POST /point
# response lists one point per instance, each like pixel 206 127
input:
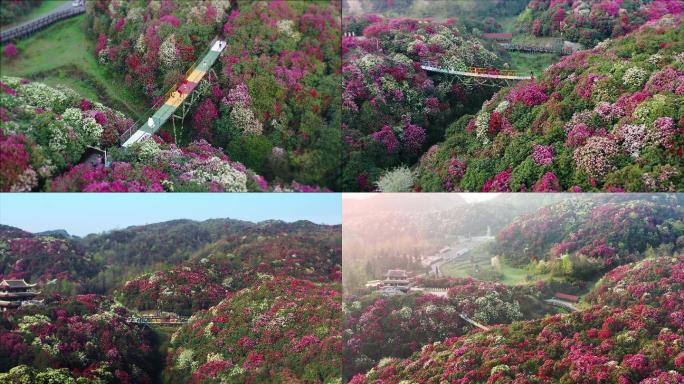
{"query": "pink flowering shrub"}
pixel 542 154
pixel 547 183
pixel 499 183
pixel 530 94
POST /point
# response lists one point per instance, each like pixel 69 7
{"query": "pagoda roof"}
pixel 16 284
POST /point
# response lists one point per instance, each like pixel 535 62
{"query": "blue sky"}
pixel 84 213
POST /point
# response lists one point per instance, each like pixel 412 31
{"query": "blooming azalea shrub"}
pixel 280 330
pixel 391 109
pixel 84 336
pixel 606 119
pixel 236 262
pixel 589 22
pixel 601 344
pixel 276 84
pixel 658 282
pixel 578 237
pixel 43 258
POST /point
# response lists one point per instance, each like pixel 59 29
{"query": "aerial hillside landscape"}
pixel 542 96
pixel 161 303
pixel 233 95
pixel 583 288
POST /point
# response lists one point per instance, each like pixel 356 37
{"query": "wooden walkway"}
pixel 159 114
pixel 36 25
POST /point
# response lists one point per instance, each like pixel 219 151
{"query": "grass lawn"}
pixel 534 62
pixel 47 7
pixel 61 54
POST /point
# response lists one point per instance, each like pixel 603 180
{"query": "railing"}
pixel 491 73
pixel 38 24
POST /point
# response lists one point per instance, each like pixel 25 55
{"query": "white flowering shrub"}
pixel 244 120
pixel 146 150
pixel 399 179
pixel 481 127
pixel 168 54
pixel 40 95
pixel 184 359
pixel 635 77
pixel 90 131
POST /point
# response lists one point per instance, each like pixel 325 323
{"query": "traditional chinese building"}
pixel 397 278
pixel 14 293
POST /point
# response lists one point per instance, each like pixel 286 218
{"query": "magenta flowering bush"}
pixel 10 51
pixel 605 119
pixel 279 330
